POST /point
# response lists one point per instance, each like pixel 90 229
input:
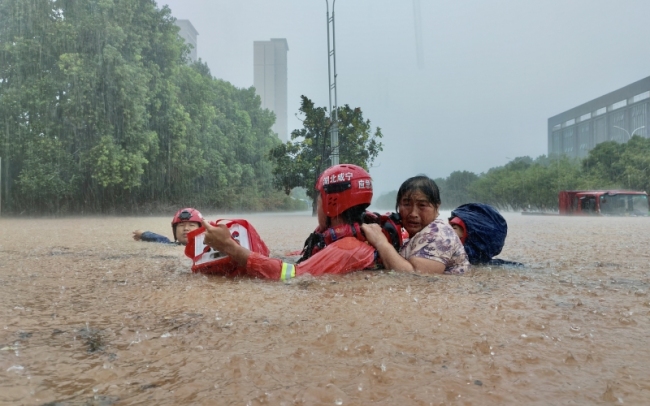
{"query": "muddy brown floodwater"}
pixel 90 317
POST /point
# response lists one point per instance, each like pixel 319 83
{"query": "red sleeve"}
pixel 341 257
pixel 260 266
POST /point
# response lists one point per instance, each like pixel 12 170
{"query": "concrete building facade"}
pixel 270 80
pixel 615 116
pixel 189 34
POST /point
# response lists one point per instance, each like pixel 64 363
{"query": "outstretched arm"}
pixel 148 236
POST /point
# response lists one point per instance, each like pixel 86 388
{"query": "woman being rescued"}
pixel 336 247
pixel 433 247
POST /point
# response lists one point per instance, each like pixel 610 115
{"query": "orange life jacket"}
pixel 389 222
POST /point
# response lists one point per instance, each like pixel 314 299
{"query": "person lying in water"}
pixel 184 221
pixel 336 247
pixel 433 246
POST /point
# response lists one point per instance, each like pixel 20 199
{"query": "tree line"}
pixel 100 112
pixel 533 184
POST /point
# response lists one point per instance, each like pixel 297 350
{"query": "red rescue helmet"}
pixel 342 187
pixel 186 214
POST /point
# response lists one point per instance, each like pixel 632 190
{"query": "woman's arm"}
pixel 393 260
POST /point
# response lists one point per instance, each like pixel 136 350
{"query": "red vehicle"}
pixel 604 202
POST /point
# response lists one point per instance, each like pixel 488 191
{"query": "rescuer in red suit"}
pixel 345 191
pixel 185 221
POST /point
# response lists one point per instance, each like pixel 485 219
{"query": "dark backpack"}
pixel 486 231
pixel 486 234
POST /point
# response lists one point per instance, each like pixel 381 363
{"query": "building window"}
pixel 584 140
pixel 641 96
pixel 585 117
pixel 618 105
pixel 639 119
pixel 568 141
pixel 600 130
pixel 616 122
pixel 556 142
pixel 600 111
pixel 570 122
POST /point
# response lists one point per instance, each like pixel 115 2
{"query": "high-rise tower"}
pixel 189 34
pixel 270 80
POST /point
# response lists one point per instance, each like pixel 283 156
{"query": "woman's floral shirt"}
pixel 438 242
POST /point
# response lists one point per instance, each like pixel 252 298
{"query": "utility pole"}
pixel 331 61
pixel 417 24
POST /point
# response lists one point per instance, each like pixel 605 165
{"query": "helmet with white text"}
pixel 342 187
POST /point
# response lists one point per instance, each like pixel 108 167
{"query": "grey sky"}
pixel 494 71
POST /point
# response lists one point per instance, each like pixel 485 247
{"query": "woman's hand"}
pixel 374 235
pixel 392 259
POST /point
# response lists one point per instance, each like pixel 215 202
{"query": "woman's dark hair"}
pixel 420 183
pixel 353 215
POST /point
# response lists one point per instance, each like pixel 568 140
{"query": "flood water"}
pixel 90 317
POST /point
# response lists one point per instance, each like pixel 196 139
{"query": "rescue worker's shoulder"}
pixel 349 243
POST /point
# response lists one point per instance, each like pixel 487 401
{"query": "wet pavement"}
pixel 90 317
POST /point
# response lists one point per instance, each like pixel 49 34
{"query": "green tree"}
pixel 524 183
pixel 614 165
pixel 637 163
pixel 76 75
pixel 299 162
pixel 603 166
pixel 99 111
pixel 386 201
pixel 456 189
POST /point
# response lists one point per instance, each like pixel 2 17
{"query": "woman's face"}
pixel 416 212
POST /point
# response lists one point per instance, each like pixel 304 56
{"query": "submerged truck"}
pixel 604 202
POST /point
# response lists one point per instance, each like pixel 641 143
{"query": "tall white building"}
pixel 270 80
pixel 189 34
